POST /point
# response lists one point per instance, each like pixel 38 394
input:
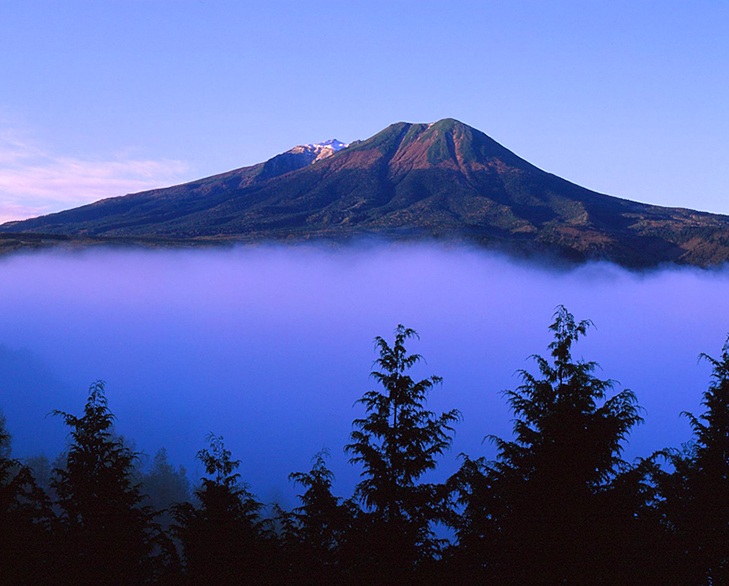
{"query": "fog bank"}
pixel 271 346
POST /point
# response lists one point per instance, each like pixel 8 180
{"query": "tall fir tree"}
pixel 26 522
pixel 314 532
pixel 108 536
pixel 695 494
pixel 397 443
pixel 223 538
pixel 165 486
pixel 545 522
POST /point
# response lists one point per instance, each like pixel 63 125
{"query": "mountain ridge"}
pixel 443 180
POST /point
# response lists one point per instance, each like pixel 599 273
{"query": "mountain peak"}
pixel 450 124
pixel 443 179
pixel 317 151
pixel 447 143
pixel 332 143
pixel 299 157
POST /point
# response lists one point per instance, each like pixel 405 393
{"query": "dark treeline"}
pixel 557 505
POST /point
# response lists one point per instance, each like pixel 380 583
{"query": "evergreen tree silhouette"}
pixel 5 445
pixel 41 468
pixel 26 522
pixel 223 538
pixel 696 493
pixel 398 442
pixel 107 536
pixel 476 521
pixel 313 532
pixel 546 487
pixel 165 486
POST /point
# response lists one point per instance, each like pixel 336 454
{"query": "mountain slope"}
pixel 443 180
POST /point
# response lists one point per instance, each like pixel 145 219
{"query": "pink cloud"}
pixel 34 181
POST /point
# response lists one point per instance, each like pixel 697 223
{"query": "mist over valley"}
pixel 271 346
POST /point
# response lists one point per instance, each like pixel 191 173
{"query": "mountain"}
pixel 444 180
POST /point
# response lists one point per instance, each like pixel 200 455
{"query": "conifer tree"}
pixel 41 468
pixel 696 493
pixel 475 519
pixel 108 536
pixel 5 444
pixel 223 539
pixel 546 484
pixel 26 522
pixel 396 443
pixel 165 486
pixel 313 532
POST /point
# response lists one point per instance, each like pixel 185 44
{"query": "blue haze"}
pixel 271 347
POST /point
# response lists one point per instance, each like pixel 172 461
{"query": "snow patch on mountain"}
pixel 319 150
pixel 332 143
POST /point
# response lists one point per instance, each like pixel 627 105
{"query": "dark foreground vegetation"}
pixel 558 504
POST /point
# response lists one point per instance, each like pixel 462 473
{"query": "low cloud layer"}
pixel 35 181
pixel 271 347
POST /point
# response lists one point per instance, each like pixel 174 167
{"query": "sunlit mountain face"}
pixel 444 181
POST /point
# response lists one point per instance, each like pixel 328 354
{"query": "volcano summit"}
pixel 444 181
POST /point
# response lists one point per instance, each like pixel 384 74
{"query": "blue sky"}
pixel 104 98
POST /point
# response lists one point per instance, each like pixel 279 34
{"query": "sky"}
pixel 99 99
